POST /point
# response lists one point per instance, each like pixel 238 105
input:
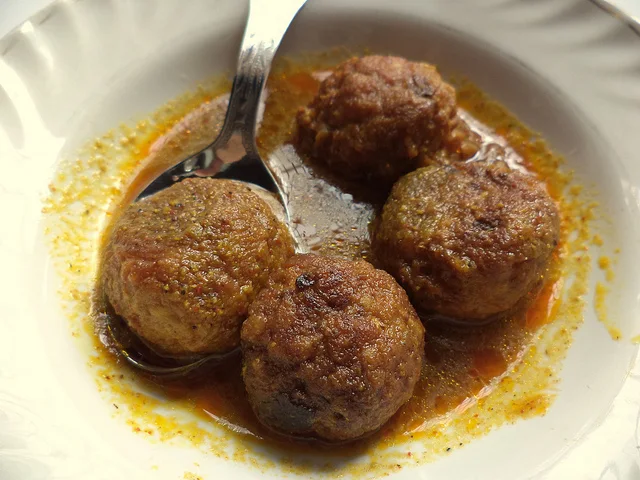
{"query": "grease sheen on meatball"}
pixel 332 348
pixel 182 266
pixel 467 242
pixel 376 116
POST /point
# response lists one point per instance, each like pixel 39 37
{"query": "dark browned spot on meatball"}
pixel 422 87
pixel 304 281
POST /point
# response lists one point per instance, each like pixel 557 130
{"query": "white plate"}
pixel 566 67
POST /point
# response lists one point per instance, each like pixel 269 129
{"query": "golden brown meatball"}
pixel 467 242
pixel 332 348
pixel 181 267
pixel 375 116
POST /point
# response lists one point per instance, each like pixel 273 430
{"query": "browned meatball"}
pixel 467 242
pixel 332 348
pixel 375 116
pixel 181 267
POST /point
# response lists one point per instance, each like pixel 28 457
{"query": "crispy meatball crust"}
pixel 375 116
pixel 332 348
pixel 467 242
pixel 181 267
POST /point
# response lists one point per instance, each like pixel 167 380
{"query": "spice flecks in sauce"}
pixel 510 374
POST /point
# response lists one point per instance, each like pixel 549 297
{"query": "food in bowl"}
pixel 468 241
pixel 473 377
pixel 332 349
pixel 181 267
pixel 378 117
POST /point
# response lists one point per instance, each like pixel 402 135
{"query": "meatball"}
pixel 332 348
pixel 376 116
pixel 182 266
pixel 469 241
